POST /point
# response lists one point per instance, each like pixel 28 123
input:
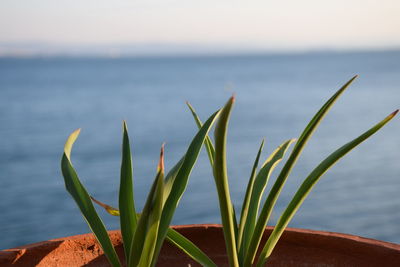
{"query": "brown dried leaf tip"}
pixel 161 162
pixel 233 98
pixel 101 203
pixel 394 113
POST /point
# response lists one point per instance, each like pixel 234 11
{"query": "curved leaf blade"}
pixel 128 220
pixel 154 219
pixel 82 199
pixel 211 154
pixel 170 178
pixel 110 210
pixel 181 180
pixel 260 184
pixel 209 145
pixel 144 239
pixel 221 181
pixel 246 202
pixel 287 168
pixel 174 238
pixel 189 248
pixel 309 183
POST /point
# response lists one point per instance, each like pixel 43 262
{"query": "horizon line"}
pixel 46 49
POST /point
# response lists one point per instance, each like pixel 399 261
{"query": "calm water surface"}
pixel 42 100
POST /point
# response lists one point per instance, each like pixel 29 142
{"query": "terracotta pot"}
pixel 297 247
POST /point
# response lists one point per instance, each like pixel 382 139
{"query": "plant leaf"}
pixel 281 179
pixel 109 209
pixel 181 180
pixel 189 248
pixel 128 220
pixel 246 201
pixel 82 199
pixel 209 145
pixel 170 178
pixel 144 239
pixel 260 184
pixel 211 153
pixel 174 238
pixel 309 183
pixel 221 181
pixel 154 219
pixel 235 223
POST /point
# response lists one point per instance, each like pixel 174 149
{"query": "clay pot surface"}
pixel 297 247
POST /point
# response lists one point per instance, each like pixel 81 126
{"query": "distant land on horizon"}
pixel 36 49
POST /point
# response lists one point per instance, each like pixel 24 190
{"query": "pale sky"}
pixel 284 24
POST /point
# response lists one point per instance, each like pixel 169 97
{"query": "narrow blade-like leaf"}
pixel 181 180
pixel 260 184
pixel 208 143
pixel 82 199
pixel 235 223
pixel 170 178
pixel 189 248
pixel 144 239
pixel 173 237
pixel 211 153
pixel 110 210
pixel 221 181
pixel 246 201
pixel 127 209
pixel 309 183
pixel 154 217
pixel 281 179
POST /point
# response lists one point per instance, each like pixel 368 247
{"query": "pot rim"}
pixel 314 241
pixel 300 231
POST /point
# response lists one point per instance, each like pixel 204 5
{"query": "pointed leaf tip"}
pixel 70 141
pixel 351 81
pixel 391 115
pixel 109 209
pixel 161 162
pixel 394 113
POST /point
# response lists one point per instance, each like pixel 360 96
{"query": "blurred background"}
pixel 91 64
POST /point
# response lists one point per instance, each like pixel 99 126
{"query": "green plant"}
pixel 143 234
pixel 243 239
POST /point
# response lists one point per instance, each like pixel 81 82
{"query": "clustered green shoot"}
pixel 243 238
pixel 143 234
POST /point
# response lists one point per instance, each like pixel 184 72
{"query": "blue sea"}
pixel 42 100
